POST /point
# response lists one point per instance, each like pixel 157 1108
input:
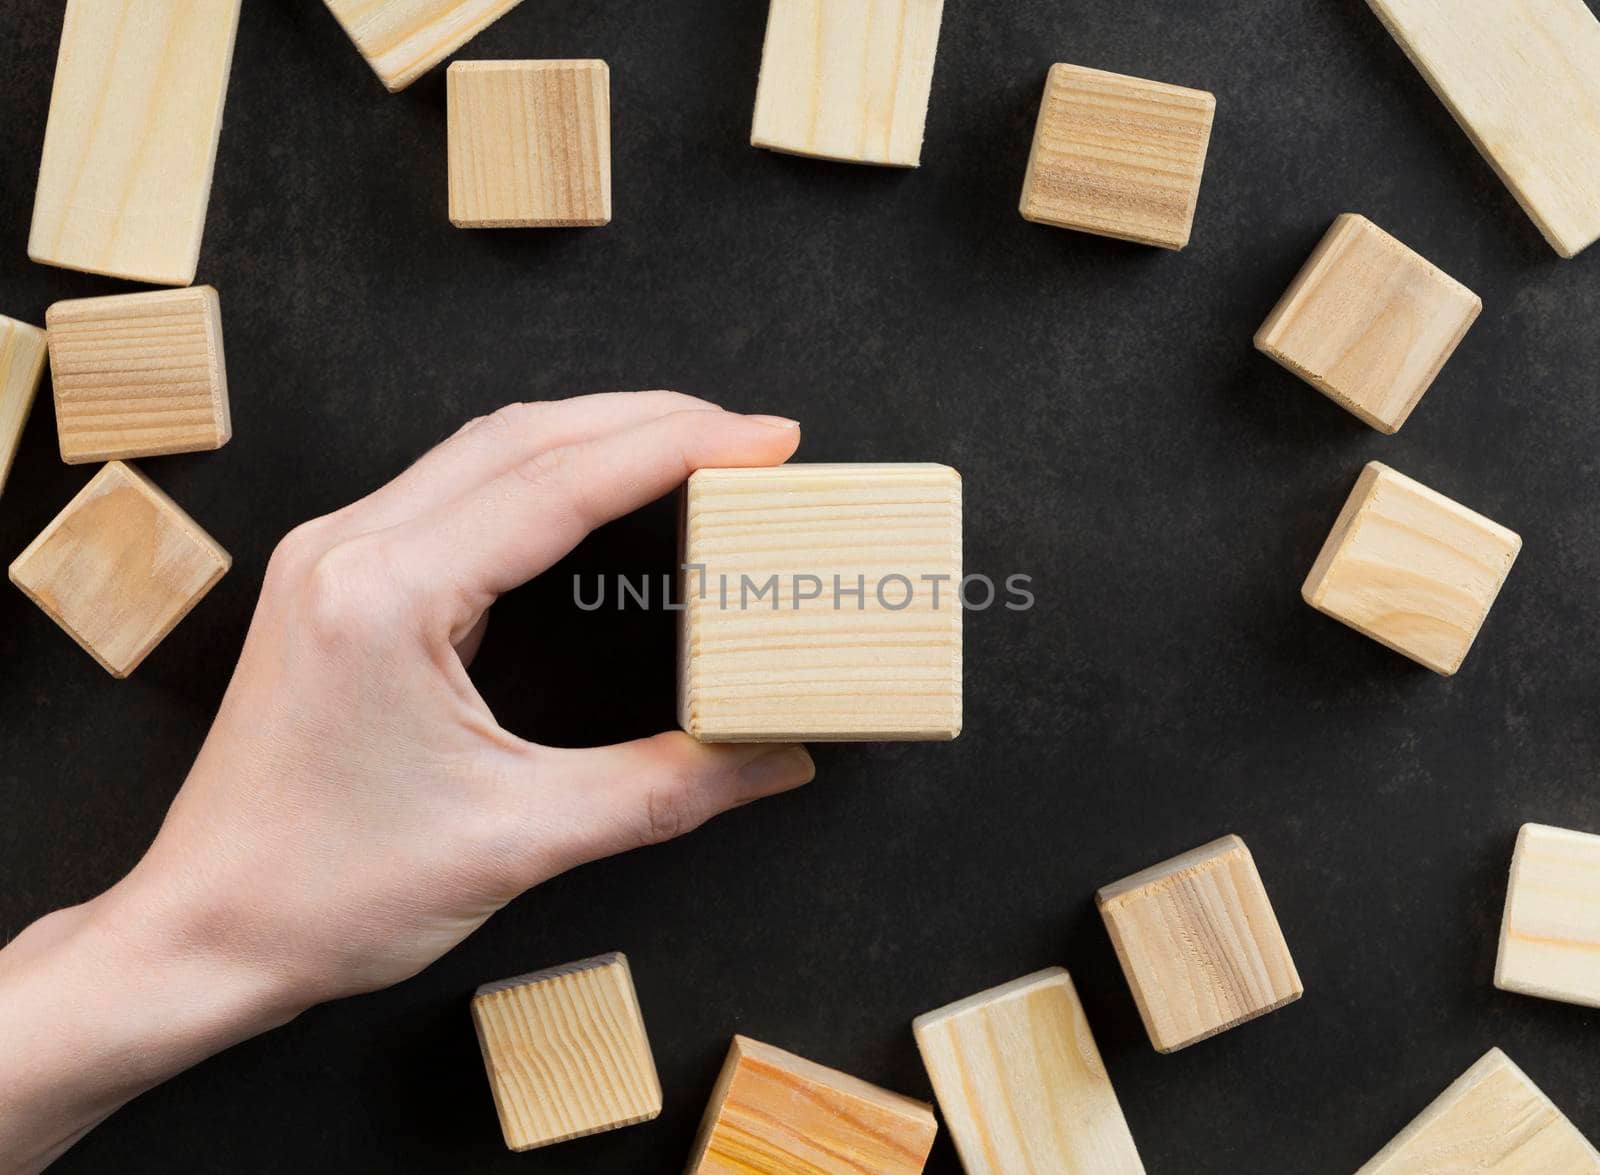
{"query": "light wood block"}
pixel 847 79
pixel 1522 77
pixel 1550 935
pixel 566 1052
pixel 761 662
pixel 1021 1083
pixel 403 39
pixel 120 567
pixel 1492 1121
pixel 1199 943
pixel 773 1113
pixel 1411 569
pixel 530 144
pixel 22 355
pixel 139 375
pixel 1368 323
pixel 1118 156
pixel 132 137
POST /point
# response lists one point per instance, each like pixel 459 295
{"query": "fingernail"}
pixel 778 769
pixel 782 422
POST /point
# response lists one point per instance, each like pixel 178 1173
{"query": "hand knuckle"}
pixel 350 592
pixel 669 812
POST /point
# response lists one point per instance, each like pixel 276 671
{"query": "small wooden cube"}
pixel 1118 156
pixel 1021 1082
pixel 1411 569
pixel 1550 935
pixel 821 602
pixel 773 1113
pixel 530 144
pixel 1199 943
pixel 119 567
pixel 566 1052
pixel 22 355
pixel 847 80
pixel 1493 1119
pixel 139 375
pixel 403 39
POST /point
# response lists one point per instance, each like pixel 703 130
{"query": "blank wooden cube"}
pixel 1118 156
pixel 1021 1082
pixel 119 567
pixel 773 1113
pixel 530 144
pixel 403 39
pixel 1411 569
pixel 1368 322
pixel 821 602
pixel 1199 943
pixel 22 356
pixel 847 79
pixel 566 1052
pixel 1550 935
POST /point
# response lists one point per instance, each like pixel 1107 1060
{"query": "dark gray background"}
pixel 1120 441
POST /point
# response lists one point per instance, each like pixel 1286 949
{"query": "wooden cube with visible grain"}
pixel 22 357
pixel 1411 569
pixel 1021 1083
pixel 403 39
pixel 566 1052
pixel 1550 935
pixel 530 144
pixel 1118 156
pixel 1199 944
pixel 821 602
pixel 119 567
pixel 773 1113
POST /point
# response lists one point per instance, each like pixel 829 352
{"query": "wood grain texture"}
pixel 1411 569
pixel 1199 943
pixel 1522 77
pixel 847 79
pixel 757 667
pixel 1550 935
pixel 1021 1083
pixel 403 39
pixel 566 1052
pixel 1118 156
pixel 530 144
pixel 119 567
pixel 139 375
pixel 22 357
pixel 131 141
pixel 773 1113
pixel 1368 323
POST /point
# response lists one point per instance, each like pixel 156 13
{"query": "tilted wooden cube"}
pixel 1550 935
pixel 821 602
pixel 403 39
pixel 1199 944
pixel 22 356
pixel 1411 569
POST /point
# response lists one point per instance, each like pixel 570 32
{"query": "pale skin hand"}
pixel 356 811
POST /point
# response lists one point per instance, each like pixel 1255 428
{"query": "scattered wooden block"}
pixel 132 137
pixel 566 1052
pixel 530 144
pixel 1411 569
pixel 773 1113
pixel 22 354
pixel 1118 156
pixel 1550 935
pixel 403 39
pixel 119 568
pixel 1368 323
pixel 139 375
pixel 821 602
pixel 1199 943
pixel 1021 1082
pixel 847 79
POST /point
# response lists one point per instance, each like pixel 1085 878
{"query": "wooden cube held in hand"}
pixel 403 39
pixel 22 356
pixel 1550 935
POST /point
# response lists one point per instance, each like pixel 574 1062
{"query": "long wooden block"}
pixel 1522 77
pixel 403 39
pixel 821 602
pixel 132 137
pixel 22 355
pixel 1021 1083
pixel 1550 935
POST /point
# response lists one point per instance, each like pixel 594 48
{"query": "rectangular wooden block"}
pixel 132 137
pixel 530 144
pixel 821 602
pixel 403 39
pixel 22 356
pixel 119 567
pixel 1411 569
pixel 1199 943
pixel 1021 1083
pixel 1368 322
pixel 1550 935
pixel 566 1052
pixel 847 79
pixel 1522 77
pixel 773 1113
pixel 139 375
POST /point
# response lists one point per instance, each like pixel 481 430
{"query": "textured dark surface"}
pixel 1120 441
